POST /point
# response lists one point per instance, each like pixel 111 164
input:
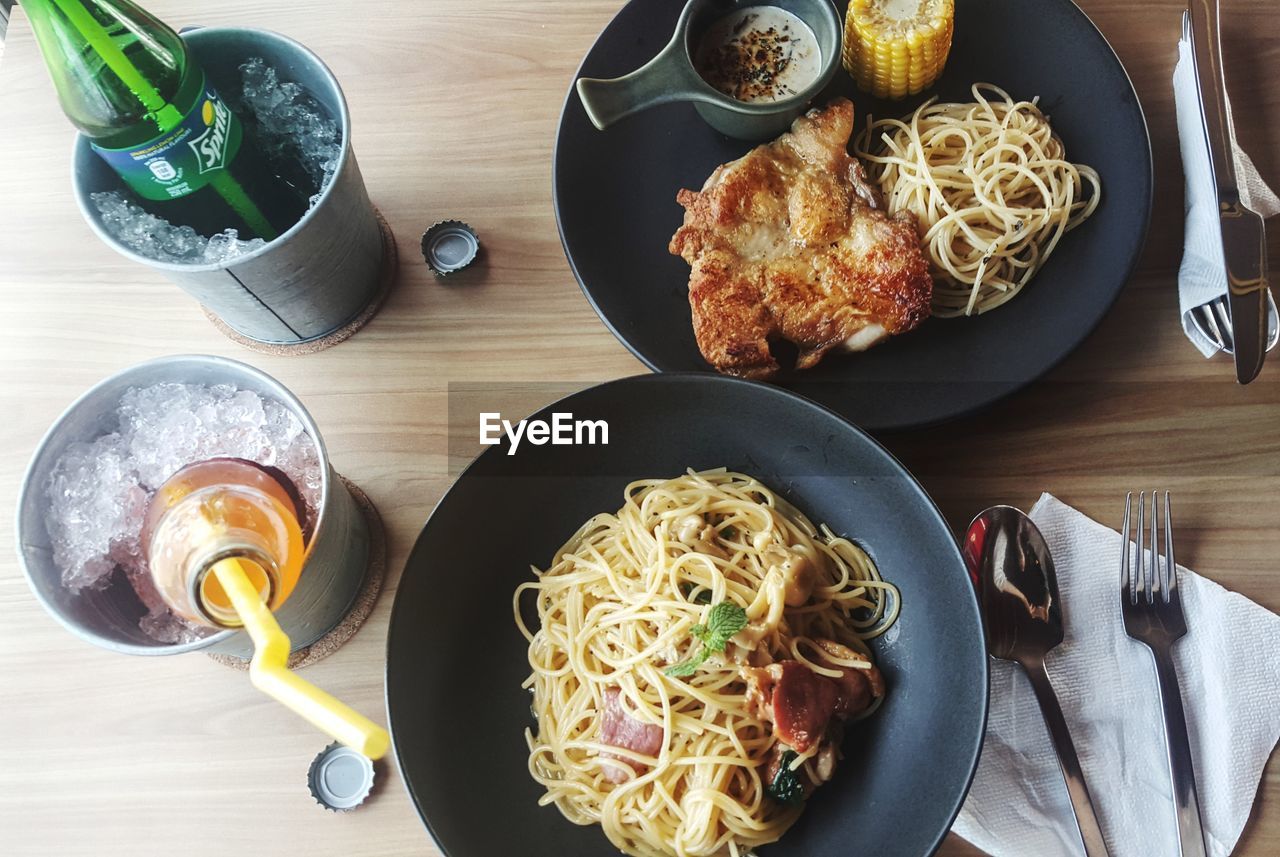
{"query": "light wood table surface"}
pixel 455 105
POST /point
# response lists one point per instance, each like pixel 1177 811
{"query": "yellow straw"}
pixel 269 673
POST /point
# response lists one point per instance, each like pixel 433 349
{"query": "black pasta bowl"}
pixel 455 660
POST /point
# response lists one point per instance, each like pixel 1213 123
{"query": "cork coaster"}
pixel 386 277
pixel 365 598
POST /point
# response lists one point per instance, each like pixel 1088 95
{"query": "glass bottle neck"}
pixel 207 594
pixel 214 510
pixel 120 74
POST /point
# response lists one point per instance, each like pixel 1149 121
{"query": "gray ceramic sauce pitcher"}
pixel 672 76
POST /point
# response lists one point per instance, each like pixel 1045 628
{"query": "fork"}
pixel 1214 321
pixel 1152 609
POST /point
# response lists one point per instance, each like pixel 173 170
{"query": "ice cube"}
pixel 227 246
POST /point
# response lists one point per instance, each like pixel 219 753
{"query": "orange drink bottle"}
pixel 224 541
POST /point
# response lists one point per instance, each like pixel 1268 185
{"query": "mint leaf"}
pixel 724 620
pixel 689 667
pixel 786 786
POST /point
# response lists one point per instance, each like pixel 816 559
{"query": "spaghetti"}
pixel 613 667
pixel 990 186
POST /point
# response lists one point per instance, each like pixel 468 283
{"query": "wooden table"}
pixel 455 105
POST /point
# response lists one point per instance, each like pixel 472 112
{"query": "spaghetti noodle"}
pixel 670 754
pixel 992 190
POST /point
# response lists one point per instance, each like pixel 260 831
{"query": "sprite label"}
pixel 185 158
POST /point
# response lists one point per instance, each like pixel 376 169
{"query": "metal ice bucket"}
pixel 331 577
pixel 316 277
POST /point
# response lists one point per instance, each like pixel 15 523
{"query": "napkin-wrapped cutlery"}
pixel 1244 244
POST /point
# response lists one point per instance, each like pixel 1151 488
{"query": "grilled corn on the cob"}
pixel 896 48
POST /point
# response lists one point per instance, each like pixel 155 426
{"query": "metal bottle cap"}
pixel 340 778
pixel 449 246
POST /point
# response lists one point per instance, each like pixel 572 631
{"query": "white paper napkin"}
pixel 1229 669
pixel 1202 277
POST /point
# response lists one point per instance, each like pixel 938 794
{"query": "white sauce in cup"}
pixel 759 54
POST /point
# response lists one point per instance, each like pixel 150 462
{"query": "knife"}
pixel 1243 237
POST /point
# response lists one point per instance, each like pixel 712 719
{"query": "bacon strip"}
pixel 854 694
pixel 803 703
pixel 620 729
pixel 858 687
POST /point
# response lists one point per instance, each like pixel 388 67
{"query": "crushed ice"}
pixel 98 491
pixel 285 120
pixel 157 238
pixel 289 122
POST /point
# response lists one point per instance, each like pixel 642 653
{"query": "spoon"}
pixel 1010 565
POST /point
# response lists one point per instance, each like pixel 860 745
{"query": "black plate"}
pixel 455 660
pixel 615 203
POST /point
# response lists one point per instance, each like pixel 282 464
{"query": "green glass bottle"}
pixel 130 85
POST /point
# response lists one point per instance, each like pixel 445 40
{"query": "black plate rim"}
pixel 695 379
pixel 1105 307
pixel 555 205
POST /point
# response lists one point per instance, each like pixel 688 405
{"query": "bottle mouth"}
pixel 211 599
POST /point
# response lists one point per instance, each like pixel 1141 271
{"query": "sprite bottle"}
pixel 131 86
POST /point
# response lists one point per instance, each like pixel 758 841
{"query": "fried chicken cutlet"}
pixel 791 242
